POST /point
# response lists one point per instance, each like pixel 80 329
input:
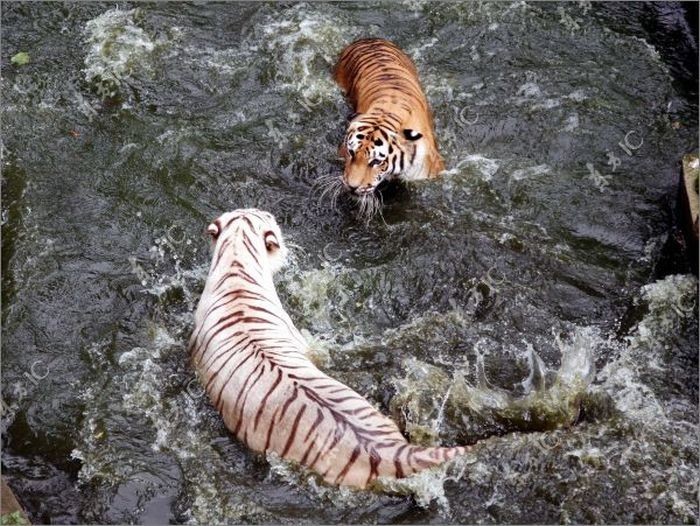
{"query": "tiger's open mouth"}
pixel 360 191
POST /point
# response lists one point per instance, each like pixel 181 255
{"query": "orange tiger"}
pixel 253 363
pixel 391 134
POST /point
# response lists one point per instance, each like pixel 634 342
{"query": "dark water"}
pixel 527 300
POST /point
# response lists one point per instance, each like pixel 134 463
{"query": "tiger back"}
pixel 253 364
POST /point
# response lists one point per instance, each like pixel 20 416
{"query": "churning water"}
pixel 525 302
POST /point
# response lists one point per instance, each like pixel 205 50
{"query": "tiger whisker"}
pixel 325 186
pixel 368 206
pixel 380 208
pixel 330 186
pixel 336 195
pixel 333 188
pixel 323 183
pixel 324 179
pixel 363 207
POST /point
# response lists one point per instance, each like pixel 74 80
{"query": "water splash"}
pixel 425 487
pixel 485 167
pixel 118 48
pixel 301 477
pixel 551 398
pixel 165 273
pixel 309 292
pixel 671 303
pixel 428 486
pixel 297 41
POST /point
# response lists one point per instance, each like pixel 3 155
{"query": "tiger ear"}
pixel 412 135
pixel 213 230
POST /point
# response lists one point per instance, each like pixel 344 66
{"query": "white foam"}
pixel 486 167
pixel 533 171
pixel 572 122
pixel 296 38
pixel 577 96
pixel 565 19
pixel 416 52
pixel 670 301
pixel 531 93
pixel 311 290
pixel 117 48
pixel 529 90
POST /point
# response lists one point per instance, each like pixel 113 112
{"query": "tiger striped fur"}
pixel 252 361
pixel 391 135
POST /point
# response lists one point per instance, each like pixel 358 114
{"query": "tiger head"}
pixel 374 151
pixel 247 234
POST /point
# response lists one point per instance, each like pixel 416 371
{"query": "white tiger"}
pixel 252 361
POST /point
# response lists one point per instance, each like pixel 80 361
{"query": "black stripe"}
pixel 293 432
